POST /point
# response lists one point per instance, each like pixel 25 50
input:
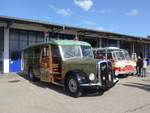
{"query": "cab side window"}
pixel 56 55
pixel 56 52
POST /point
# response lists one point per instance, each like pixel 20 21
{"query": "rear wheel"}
pixel 72 87
pixel 31 75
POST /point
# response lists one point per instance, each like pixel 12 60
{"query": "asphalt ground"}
pixel 19 95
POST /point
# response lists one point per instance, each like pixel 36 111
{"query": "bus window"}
pixel 101 54
pixel 56 52
pixel 45 52
pixel 109 56
pixel 30 52
pixel 37 52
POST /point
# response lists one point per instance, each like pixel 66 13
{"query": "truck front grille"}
pixel 105 73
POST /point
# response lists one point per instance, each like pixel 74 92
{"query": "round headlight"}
pixel 92 76
pixel 116 73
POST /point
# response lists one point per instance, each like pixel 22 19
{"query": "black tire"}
pixel 126 75
pixel 112 82
pixel 132 74
pixel 31 76
pixel 72 87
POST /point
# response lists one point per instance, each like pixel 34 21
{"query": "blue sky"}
pixel 122 16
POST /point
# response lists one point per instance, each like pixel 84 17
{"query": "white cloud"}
pixel 133 12
pixel 64 11
pixel 49 18
pixel 89 23
pixel 84 4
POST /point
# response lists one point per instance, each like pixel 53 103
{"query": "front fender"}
pixel 81 76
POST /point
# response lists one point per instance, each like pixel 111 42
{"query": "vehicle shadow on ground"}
pixel 142 86
pixel 148 73
pixel 59 89
pixel 122 76
pixel 41 84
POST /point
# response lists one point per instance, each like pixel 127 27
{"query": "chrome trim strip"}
pixel 57 84
pixel 91 84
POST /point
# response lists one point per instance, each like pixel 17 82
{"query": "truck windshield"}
pixel 87 52
pixel 73 51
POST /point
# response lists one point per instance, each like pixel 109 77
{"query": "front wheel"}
pixel 72 87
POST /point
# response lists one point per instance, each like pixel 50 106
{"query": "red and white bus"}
pixel 121 61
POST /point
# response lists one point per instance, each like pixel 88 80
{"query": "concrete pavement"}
pixel 18 95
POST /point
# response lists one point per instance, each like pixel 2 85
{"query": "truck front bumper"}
pixel 99 85
pixel 125 72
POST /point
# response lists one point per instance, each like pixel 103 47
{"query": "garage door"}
pixel 19 39
pixel 1 48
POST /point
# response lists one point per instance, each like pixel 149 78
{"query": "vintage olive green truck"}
pixel 68 63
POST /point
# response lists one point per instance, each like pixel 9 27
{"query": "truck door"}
pixel 45 64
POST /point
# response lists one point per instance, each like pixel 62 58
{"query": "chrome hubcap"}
pixel 72 85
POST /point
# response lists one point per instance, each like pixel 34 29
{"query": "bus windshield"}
pixel 126 54
pixel 121 55
pixel 74 51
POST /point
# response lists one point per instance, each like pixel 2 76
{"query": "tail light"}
pixel 56 70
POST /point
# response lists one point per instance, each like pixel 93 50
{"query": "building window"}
pixel 147 51
pixel 93 41
pixel 1 48
pixel 40 37
pixel 127 46
pixel 60 36
pixel 109 43
pixel 32 38
pixel 23 39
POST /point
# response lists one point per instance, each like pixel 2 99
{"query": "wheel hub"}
pixel 72 85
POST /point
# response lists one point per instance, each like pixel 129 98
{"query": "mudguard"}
pixel 81 76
